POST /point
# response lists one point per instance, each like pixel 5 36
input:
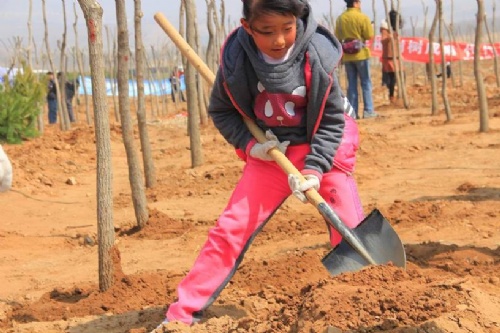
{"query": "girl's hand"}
pixel 299 188
pixel 259 150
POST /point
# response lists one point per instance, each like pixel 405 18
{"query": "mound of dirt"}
pixel 437 182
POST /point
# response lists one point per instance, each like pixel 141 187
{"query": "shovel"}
pixel 372 242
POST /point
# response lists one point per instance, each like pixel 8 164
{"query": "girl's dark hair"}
pixel 393 17
pixel 255 8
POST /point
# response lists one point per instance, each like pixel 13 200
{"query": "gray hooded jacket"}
pixel 312 62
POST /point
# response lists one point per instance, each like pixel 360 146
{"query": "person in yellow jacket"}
pixel 355 27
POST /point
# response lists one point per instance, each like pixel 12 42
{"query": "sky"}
pixel 14 17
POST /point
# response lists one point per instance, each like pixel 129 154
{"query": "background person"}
pixel 391 63
pixel 69 91
pixel 52 98
pixel 175 86
pixel 448 71
pixel 5 171
pixel 351 25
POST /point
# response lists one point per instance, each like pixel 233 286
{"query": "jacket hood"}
pixel 240 57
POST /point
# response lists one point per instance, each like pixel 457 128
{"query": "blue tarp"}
pixel 156 87
pixel 12 74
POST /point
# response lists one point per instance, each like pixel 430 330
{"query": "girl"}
pixel 277 68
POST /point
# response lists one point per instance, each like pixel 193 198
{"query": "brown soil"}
pixel 437 182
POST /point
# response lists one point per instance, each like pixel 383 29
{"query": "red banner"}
pixel 416 49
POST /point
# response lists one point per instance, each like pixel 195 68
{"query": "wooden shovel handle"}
pixel 312 195
pixel 186 50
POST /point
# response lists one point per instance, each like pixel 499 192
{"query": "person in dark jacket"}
pixel 52 98
pixel 69 90
pixel 277 68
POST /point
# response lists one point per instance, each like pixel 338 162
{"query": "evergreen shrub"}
pixel 21 101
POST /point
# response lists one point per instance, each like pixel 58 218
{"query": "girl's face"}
pixel 273 34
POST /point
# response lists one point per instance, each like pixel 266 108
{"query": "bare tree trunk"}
pixel 65 123
pixel 495 55
pixel 329 20
pixel 30 62
pixel 481 93
pixel 85 91
pixel 425 9
pixel 199 82
pixel 444 92
pixel 44 56
pixel 332 17
pixel 74 80
pixel 212 42
pixel 49 57
pixel 35 51
pixel 30 34
pixel 132 78
pixel 373 60
pixel 113 76
pixel 149 167
pixel 167 60
pixel 454 39
pixel 80 68
pixel 414 34
pixel 182 30
pixel 8 49
pixel 396 51
pixel 223 32
pixel 18 50
pixel 158 88
pixel 162 86
pixel 152 88
pixel 105 230
pixel 450 38
pixel 192 101
pixel 112 72
pixel 497 74
pixel 135 173
pixel 393 45
pixel 400 72
pixel 432 71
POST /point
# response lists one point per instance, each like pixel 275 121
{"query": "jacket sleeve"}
pixel 226 117
pixel 327 138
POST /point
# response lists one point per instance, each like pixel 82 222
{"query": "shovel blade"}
pixel 377 237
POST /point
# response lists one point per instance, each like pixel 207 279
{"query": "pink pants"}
pixel 261 190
